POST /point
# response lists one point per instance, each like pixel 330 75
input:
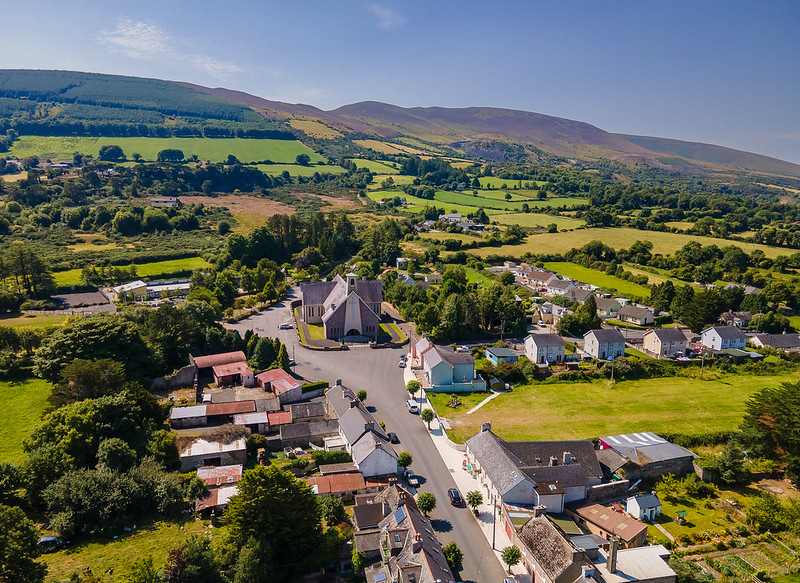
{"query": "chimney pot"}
pixel 553 460
pixel 567 457
pixel 486 427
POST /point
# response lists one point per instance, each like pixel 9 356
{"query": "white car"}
pixel 463 349
pixel 285 326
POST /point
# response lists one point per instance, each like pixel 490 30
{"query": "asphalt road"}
pixel 377 372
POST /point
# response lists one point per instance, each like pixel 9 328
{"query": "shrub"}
pixel 331 457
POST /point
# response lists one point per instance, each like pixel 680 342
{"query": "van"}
pixel 412 406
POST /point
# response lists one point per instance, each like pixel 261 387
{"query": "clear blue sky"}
pixel 722 72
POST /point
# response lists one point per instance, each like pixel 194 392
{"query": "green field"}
pixel 534 220
pixel 398 179
pixel 298 170
pixel 618 238
pixel 156 268
pixel 24 402
pixel 495 182
pixel 375 166
pixel 153 541
pixel 597 278
pixel 31 320
pixel 589 410
pixel 215 150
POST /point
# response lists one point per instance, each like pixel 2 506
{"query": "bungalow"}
pixel 498 355
pixel 638 315
pixel 723 337
pixel 579 295
pixel 201 453
pixel 748 289
pixel 561 287
pixel 738 319
pixel 662 342
pixel 433 279
pixel 451 218
pixel 606 343
pixel 544 348
pixel 608 307
pixel 447 370
pixel 785 342
pixel 645 507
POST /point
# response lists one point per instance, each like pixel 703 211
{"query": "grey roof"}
pixel 551 550
pixel 560 283
pixel 368 444
pixel 342 468
pixel 538 453
pixel 190 412
pixel 779 340
pixel 340 399
pixel 268 405
pixel 606 335
pixel 316 293
pixel 668 334
pixel 606 303
pixel 647 500
pixel 727 332
pixel 501 352
pixel 634 311
pixel 610 459
pixel 355 422
pixel 542 340
pixel 748 289
pixel 304 410
pixel 328 292
pixel 453 358
pixel 308 430
pixel 567 476
pixel 367 516
pixel 495 461
pixel 730 316
pixel 580 294
pixel 645 447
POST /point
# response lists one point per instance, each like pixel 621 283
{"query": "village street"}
pixel 377 372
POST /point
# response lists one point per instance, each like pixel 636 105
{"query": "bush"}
pixel 309 387
pixel 331 457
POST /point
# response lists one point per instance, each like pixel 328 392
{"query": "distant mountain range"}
pixel 72 102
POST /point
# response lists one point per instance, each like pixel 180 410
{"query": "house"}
pixel 662 342
pixel 447 370
pixel 723 337
pixel 748 289
pixel 451 218
pixel 738 319
pixel 785 342
pixel 561 287
pixel 540 473
pixel 551 313
pixel 344 308
pixel 645 507
pixel 201 453
pixel 233 373
pixel 191 416
pixel 607 307
pixel 579 295
pixel 401 263
pixel 433 279
pixel 419 349
pixel 399 543
pixel 134 291
pixel 637 315
pixel 544 348
pixel 498 355
pixel 644 455
pixel 548 554
pixel 287 388
pixel 604 344
pixel 608 523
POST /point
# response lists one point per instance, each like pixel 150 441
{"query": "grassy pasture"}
pixel 496 182
pixel 597 278
pixel 538 220
pixel 398 179
pixel 31 320
pixel 376 166
pixel 298 170
pixel 216 150
pixel 315 129
pixel 156 268
pixel 617 238
pixel 389 147
pixel 587 410
pixel 24 402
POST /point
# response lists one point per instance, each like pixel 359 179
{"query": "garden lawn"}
pixel 31 320
pixel 215 150
pixel 618 238
pixel 24 402
pixel 598 278
pixel 153 542
pixel 590 410
pixel 156 268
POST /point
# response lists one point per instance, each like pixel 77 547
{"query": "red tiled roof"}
pixel 231 408
pixel 279 418
pixel 338 483
pixel 280 380
pixel 217 359
pixel 224 370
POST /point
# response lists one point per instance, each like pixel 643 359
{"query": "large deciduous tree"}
pixel 18 536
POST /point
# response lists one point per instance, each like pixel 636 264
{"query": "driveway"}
pixel 376 371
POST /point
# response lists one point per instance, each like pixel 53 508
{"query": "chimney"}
pixel 553 460
pixel 539 511
pixel 338 382
pixel 567 458
pixel 353 403
pixel 486 427
pixel 612 555
pixel 417 546
pixel 369 426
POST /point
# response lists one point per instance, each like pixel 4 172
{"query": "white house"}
pixel 560 286
pixel 607 306
pixel 544 348
pixel 644 507
pixel 640 316
pixel 604 343
pixel 723 337
pixel 664 342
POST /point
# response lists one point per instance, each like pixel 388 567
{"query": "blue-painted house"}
pixel 451 371
pixel 498 355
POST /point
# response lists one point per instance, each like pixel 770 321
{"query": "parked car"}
pixel 411 478
pixel 402 363
pixel 463 349
pixel 455 497
pixel 49 544
pixel 285 326
pixel 393 437
pixel 292 362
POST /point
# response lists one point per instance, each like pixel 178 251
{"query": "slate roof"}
pixel 342 468
pixel 501 352
pixel 634 311
pixel 218 359
pixel 354 422
pixel 369 444
pixel 568 476
pixel 340 398
pixel 306 410
pixel 453 358
pixel 551 551
pixel 668 334
pixel 366 516
pixel 538 453
pixel 560 283
pixel 606 303
pixel 610 459
pixel 268 405
pixel 731 316
pixel 494 461
pixel 779 340
pixel 647 500
pixel 542 340
pixel 727 332
pixel 326 292
pixel 606 335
